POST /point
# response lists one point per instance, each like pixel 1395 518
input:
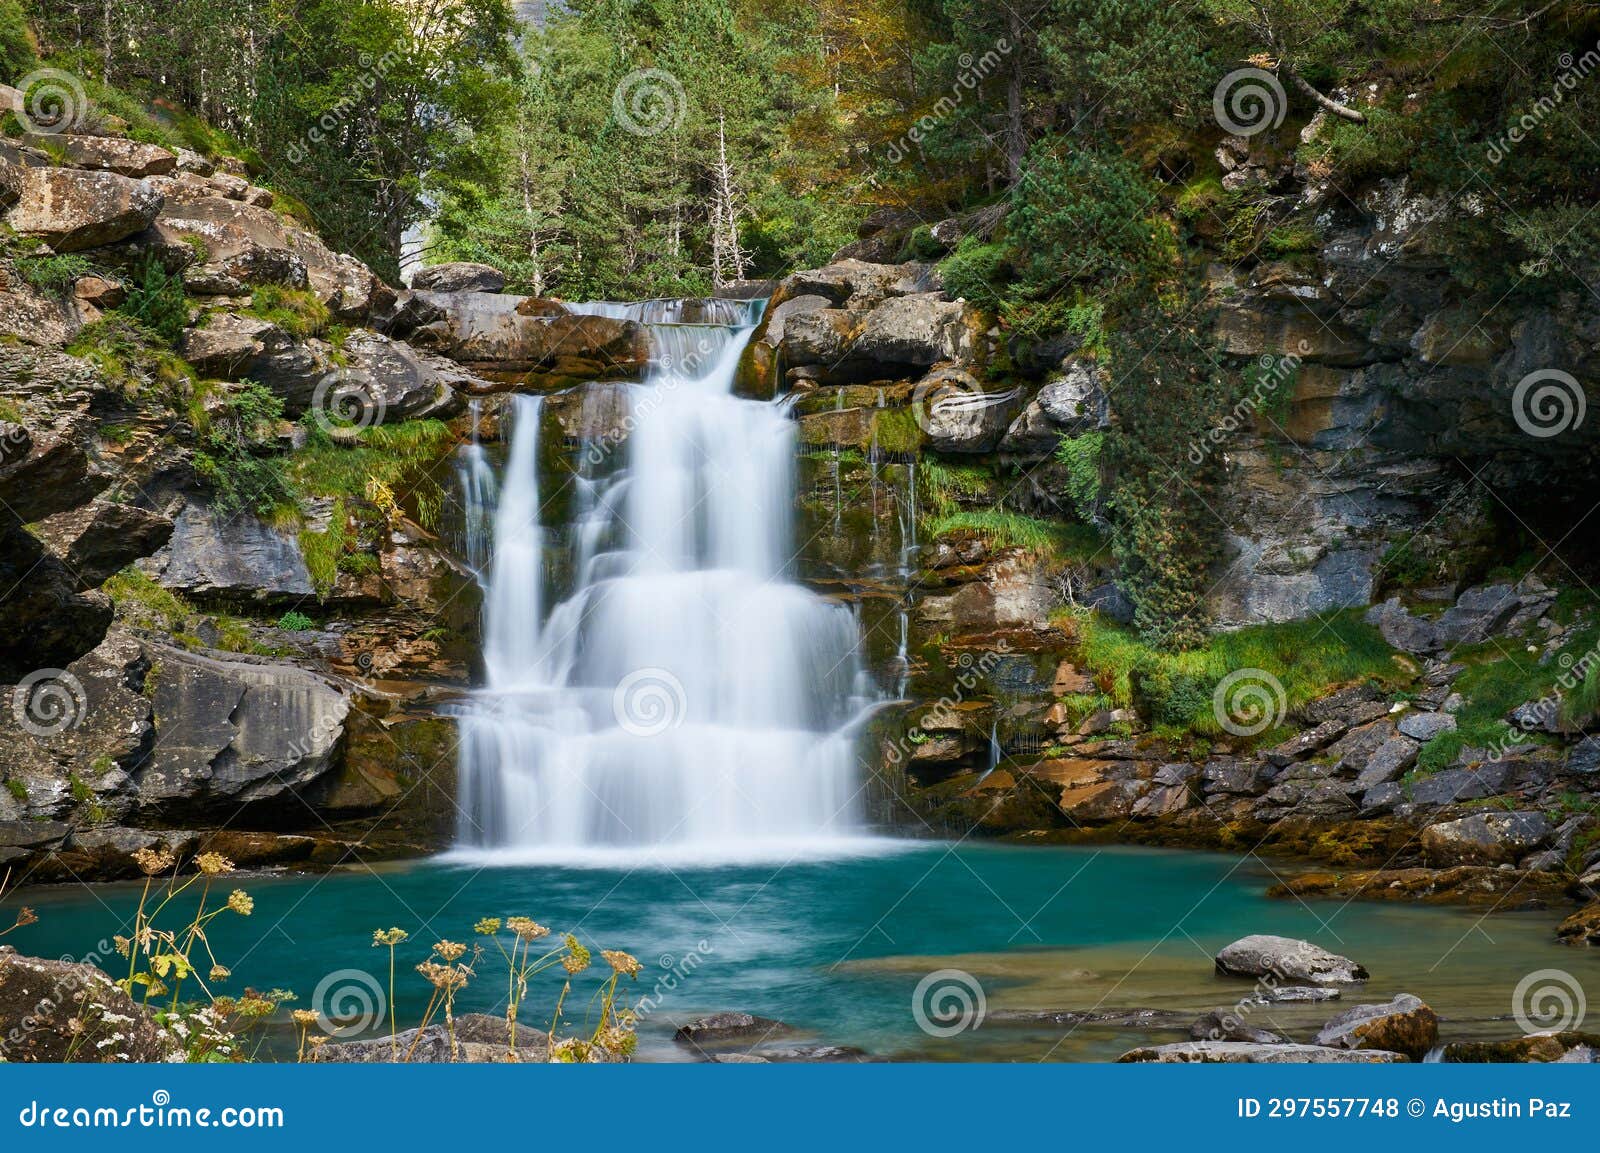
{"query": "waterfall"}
pixel 680 696
pixel 475 479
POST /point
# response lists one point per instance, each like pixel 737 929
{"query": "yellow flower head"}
pixel 241 902
pixel 526 928
pixel 303 1017
pixel 450 950
pixel 153 861
pixel 577 958
pixel 213 864
pixel 487 927
pixel 388 937
pixel 620 962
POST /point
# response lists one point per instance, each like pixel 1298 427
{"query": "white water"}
pixel 682 699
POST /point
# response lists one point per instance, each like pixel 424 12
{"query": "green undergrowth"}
pixel 945 489
pixel 1174 690
pixel 1001 528
pixel 297 311
pixel 142 603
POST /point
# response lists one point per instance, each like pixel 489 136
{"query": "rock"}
pixel 460 276
pixel 1238 777
pixel 71 210
pixel 916 331
pixel 1393 757
pixel 1477 615
pixel 99 292
pixel 1485 838
pixel 1402 630
pixel 1227 1025
pixel 479 1039
pixel 231 732
pixel 1452 785
pixel 1582 928
pixel 1584 757
pixel 49 620
pixel 1287 959
pixel 489 330
pixel 395 382
pixel 1306 743
pixel 1294 994
pixel 1245 1052
pixel 727 1027
pixel 110 154
pixel 1541 1047
pixel 101 538
pixel 235 557
pixel 1402 1025
pixel 41 1000
pixel 1426 726
pixel 1461 885
pixel 959 415
pixel 226 344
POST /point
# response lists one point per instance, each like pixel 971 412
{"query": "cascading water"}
pixel 682 696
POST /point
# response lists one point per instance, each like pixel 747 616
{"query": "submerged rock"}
pixel 1228 1025
pixel 1287 959
pixel 730 1027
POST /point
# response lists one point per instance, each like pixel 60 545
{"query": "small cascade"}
pixel 656 681
pixel 479 493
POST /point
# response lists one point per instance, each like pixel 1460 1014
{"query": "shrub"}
pixel 1081 457
pixel 157 301
pixel 52 274
pixel 295 622
pixel 230 456
pixel 19 52
pixel 296 311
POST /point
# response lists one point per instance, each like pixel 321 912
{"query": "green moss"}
pixel 1001 528
pixel 945 488
pixel 896 431
pixel 1175 690
pixel 323 550
pixel 398 456
pixel 142 603
pixel 295 310
pixel 17 789
pixel 295 622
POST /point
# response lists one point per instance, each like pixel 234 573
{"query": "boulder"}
pixel 71 209
pixel 1401 629
pixel 1402 1025
pixel 1287 959
pixel 1570 1046
pixel 101 538
pixel 65 1011
pixel 490 330
pixel 1485 838
pixel 50 621
pixel 238 557
pixel 459 276
pixel 234 731
pixel 110 154
pixel 1582 928
pixel 1449 786
pixel 1393 757
pixel 1425 726
pixel 725 1027
pixel 915 331
pixel 479 1039
pixel 1477 615
pixel 1250 1053
pixel 395 382
pixel 959 415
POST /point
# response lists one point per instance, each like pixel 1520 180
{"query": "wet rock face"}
pixel 1485 838
pixel 233 557
pixel 493 331
pixel 460 276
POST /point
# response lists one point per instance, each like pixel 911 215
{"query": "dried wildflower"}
pixel 220 972
pixel 450 950
pixel 388 937
pixel 241 902
pixel 577 958
pixel 487 927
pixel 618 1040
pixel 447 978
pixel 153 861
pixel 625 963
pixel 122 944
pixel 526 928
pixel 305 1017
pixel 213 864
pixel 569 1051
